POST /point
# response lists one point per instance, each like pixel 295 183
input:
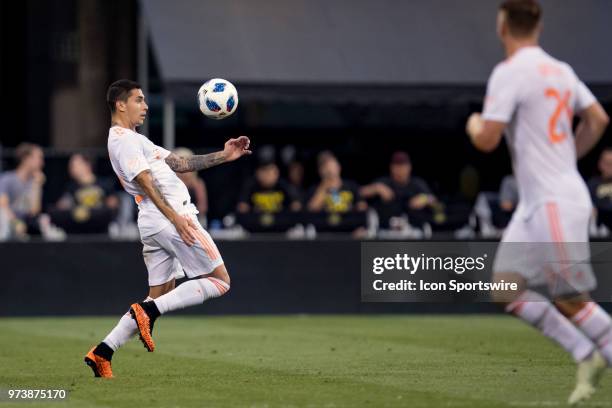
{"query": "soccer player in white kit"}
pixel 167 221
pixel 532 97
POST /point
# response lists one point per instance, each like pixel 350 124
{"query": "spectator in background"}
pixel 401 193
pixel 333 194
pixel 195 185
pixel 267 203
pixel 335 204
pixel 21 195
pixel 295 176
pixel 84 188
pixel 600 188
pixel 89 203
pixel 267 193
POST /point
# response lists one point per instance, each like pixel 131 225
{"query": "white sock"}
pixel 123 331
pixel 597 325
pixel 193 292
pixel 536 310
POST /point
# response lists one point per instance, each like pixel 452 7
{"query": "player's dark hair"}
pixel 522 16
pixel 24 150
pixel 119 91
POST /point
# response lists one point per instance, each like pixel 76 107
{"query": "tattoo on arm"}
pixel 194 163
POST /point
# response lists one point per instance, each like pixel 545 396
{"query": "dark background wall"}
pixel 268 276
pixel 57 58
pixel 362 41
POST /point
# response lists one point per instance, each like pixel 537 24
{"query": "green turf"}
pixel 296 361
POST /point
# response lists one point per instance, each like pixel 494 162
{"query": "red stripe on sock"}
pixel 222 289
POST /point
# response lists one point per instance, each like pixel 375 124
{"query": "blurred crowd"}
pixel 396 205
pixel 88 204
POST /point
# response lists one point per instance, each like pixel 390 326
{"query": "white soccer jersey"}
pixel 537 95
pixel 131 153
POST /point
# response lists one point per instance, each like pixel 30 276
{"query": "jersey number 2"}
pixel 562 107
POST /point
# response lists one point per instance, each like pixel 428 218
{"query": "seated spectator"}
pixel 267 193
pixel 600 188
pixel 21 195
pixel 89 203
pixel 338 200
pixel 195 185
pixel 295 176
pixel 267 202
pixel 401 193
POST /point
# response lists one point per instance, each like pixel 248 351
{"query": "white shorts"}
pixel 165 251
pixel 549 245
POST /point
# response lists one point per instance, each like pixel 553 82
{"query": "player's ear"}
pixel 121 105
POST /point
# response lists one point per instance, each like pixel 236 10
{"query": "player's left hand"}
pixel 236 148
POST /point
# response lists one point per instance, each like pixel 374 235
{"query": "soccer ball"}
pixel 218 98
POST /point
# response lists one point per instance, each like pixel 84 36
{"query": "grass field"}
pixel 296 361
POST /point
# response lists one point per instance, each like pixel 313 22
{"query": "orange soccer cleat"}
pixel 100 366
pixel 145 325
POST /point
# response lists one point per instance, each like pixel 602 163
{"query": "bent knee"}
pixel 221 287
pixel 220 278
pixel 226 279
pixel 220 272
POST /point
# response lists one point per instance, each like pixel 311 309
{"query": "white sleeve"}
pixel 163 152
pixel 159 151
pixel 131 158
pixel 584 97
pixel 502 95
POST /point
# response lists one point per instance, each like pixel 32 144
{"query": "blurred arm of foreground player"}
pixel 484 134
pixel 593 123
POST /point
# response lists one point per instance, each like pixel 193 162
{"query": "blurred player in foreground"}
pixel 532 97
pixel 167 222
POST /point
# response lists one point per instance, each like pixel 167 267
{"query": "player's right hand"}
pixel 185 227
pixel 474 125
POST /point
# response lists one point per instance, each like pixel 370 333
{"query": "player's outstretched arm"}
pixel 183 225
pixel 593 123
pixel 233 149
